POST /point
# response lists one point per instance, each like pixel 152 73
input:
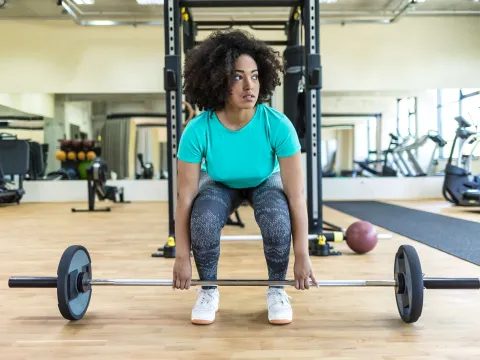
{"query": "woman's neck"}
pixel 235 118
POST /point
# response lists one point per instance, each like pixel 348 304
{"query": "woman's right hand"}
pixel 182 273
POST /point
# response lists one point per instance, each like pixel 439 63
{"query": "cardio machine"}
pixel 460 187
pixel 387 168
pixel 417 169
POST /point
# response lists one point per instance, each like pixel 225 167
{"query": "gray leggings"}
pixel 216 202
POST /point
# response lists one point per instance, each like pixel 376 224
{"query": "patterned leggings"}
pixel 216 202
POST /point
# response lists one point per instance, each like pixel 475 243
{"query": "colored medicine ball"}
pixel 361 237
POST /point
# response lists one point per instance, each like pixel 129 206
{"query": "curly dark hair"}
pixel 209 67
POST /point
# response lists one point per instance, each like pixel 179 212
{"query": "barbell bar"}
pixel 51 282
pixel 429 283
pixel 74 283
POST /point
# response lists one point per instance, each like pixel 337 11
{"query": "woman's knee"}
pixel 273 215
pixel 208 215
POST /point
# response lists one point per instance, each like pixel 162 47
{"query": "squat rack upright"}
pixel 304 13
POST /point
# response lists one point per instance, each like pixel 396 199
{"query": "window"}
pixel 470 110
pixel 407 116
pixel 452 103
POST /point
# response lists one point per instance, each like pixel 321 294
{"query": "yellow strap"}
pixel 171 241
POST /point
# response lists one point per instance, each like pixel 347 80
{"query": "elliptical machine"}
pixel 459 186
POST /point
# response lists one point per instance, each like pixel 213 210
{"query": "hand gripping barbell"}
pixel 74 283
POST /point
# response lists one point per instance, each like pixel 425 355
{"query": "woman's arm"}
pixel 188 179
pixel 294 185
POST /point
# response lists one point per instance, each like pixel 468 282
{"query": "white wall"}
pixel 36 104
pixel 79 113
pixel 62 57
pixel 415 53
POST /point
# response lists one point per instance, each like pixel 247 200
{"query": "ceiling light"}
pixel 84 2
pixel 150 2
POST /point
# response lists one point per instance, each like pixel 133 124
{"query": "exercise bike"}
pixel 459 186
pixel 96 184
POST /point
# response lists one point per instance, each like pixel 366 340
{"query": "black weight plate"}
pixel 409 290
pixel 72 301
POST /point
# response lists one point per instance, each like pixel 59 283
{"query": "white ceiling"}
pixel 129 9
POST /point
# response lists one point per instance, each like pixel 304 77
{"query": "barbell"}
pixel 74 283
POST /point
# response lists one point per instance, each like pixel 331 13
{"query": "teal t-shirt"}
pixel 239 158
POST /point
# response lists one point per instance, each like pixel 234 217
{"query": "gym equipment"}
pixel 96 185
pixel 418 143
pixel 398 154
pixel 73 154
pixel 14 161
pixel 306 14
pixel 7 136
pixel 361 237
pixel 38 160
pixel 168 250
pixel 74 283
pixel 459 186
pixel 317 243
pixel 237 222
pixel 387 168
pixel 147 169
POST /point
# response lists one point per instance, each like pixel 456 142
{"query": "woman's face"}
pixel 245 84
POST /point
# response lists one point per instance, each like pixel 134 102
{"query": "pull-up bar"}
pixel 240 3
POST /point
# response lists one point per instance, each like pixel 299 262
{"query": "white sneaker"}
pixel 203 312
pixel 279 308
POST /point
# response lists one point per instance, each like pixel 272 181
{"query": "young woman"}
pixel 238 149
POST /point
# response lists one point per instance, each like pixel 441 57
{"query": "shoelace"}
pixel 278 297
pixel 205 298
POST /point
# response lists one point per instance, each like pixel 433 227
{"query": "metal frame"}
pixel 176 14
pixel 173 88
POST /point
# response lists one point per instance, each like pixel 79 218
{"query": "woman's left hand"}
pixel 303 272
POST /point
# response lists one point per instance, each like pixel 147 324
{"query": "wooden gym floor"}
pixel 154 322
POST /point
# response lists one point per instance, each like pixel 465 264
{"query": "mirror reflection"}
pixel 364 134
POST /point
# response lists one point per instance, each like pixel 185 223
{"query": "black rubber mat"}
pixel 460 238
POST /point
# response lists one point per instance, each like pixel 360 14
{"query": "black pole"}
pixel 189 35
pixel 313 84
pixel 293 28
pixel 189 31
pixel 173 89
pixel 32 282
pixel 239 3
